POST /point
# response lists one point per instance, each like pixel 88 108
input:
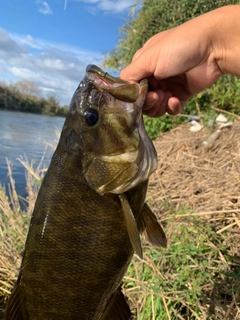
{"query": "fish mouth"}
pixel 120 89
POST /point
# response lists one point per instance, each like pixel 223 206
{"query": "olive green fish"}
pixel 90 208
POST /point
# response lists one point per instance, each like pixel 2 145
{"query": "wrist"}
pixel 225 39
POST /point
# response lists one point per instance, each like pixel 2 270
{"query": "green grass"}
pixel 188 279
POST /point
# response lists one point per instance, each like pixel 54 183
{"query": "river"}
pixel 25 134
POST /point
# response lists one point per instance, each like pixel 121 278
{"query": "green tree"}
pixel 52 105
pixel 18 97
pixel 62 111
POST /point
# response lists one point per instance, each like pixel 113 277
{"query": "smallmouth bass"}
pixel 90 208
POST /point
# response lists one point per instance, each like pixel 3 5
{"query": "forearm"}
pixel 225 37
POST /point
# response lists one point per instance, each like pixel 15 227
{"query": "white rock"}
pixel 221 119
pixel 194 123
pixel 195 127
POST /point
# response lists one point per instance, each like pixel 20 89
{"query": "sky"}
pixel 51 42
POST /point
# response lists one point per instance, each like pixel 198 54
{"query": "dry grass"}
pixel 195 193
pixel 14 225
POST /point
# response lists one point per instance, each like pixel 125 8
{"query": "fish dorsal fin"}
pixel 15 309
pixel 117 308
pixel 151 229
pixel 131 225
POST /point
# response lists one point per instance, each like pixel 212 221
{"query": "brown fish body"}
pixel 78 246
pixel 73 262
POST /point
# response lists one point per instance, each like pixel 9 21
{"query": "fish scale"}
pixel 85 226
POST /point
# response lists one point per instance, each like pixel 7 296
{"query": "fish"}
pixel 90 209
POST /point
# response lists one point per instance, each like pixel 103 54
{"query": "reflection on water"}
pixel 25 134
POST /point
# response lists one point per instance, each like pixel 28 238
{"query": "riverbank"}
pixel 12 99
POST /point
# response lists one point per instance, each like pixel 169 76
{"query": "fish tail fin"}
pixel 15 309
pixel 117 307
pixel 151 229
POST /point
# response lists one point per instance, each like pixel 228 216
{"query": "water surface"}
pixel 25 134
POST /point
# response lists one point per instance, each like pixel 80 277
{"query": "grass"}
pixel 189 280
pixel 196 277
pixel 14 222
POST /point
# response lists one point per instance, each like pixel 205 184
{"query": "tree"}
pixel 52 105
pixel 12 99
pixel 27 88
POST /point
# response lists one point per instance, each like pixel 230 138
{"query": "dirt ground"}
pixel 205 179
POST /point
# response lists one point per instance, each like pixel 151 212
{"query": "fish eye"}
pixel 91 116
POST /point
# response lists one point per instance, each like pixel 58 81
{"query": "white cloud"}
pixel 56 68
pixel 43 7
pixel 111 6
pixel 7 44
pixel 115 6
pixel 21 72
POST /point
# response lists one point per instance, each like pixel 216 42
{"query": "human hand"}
pixel 180 62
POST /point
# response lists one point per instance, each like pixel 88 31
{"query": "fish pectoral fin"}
pixel 117 307
pixel 151 229
pixel 121 179
pixel 104 176
pixel 131 225
pixel 15 309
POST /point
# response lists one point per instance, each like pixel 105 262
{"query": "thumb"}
pixel 141 67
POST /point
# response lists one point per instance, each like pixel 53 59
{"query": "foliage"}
pixel 27 88
pixel 155 16
pixel 18 98
pixel 224 94
pixel 154 126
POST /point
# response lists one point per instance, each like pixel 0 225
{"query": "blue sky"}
pixel 51 42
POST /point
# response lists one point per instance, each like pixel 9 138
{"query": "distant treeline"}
pixel 14 98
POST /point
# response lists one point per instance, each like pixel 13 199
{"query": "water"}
pixel 25 134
